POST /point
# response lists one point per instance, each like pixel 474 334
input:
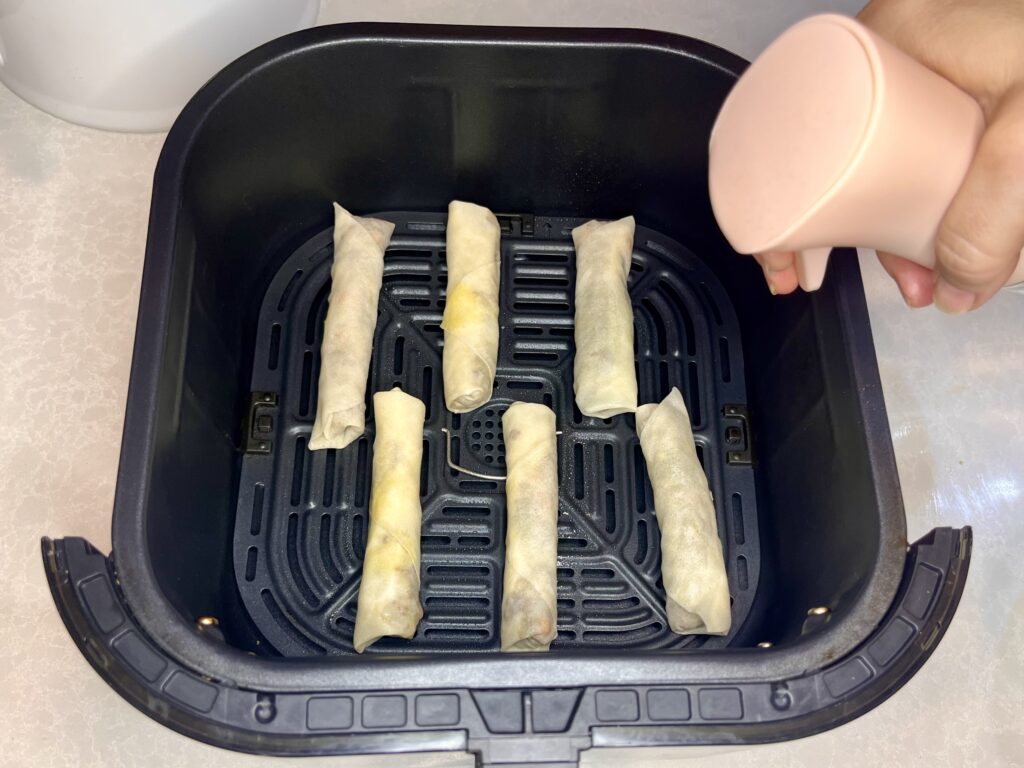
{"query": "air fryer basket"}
pixel 301 523
pixel 226 608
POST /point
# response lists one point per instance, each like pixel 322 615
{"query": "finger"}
pixel 779 271
pixel 911 25
pixel 777 261
pixel 974 45
pixel 981 236
pixel 914 281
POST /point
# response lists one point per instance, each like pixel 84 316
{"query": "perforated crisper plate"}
pixel 301 521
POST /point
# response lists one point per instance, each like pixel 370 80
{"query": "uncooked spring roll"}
pixel 604 376
pixel 470 320
pixel 692 566
pixel 389 594
pixel 529 617
pixel 356 274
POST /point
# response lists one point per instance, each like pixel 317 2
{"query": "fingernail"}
pixel 953 300
pixel 772 289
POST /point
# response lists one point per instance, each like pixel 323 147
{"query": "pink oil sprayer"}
pixel 833 136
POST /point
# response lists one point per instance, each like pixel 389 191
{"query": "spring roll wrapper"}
pixel 389 594
pixel 604 373
pixel 470 319
pixel 356 274
pixel 529 618
pixel 692 565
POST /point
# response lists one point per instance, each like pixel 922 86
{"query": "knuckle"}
pixel 1003 142
pixel 1008 149
pixel 964 262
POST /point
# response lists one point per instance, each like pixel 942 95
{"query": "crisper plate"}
pixel 302 516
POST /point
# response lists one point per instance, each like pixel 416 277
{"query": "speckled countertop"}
pixel 73 209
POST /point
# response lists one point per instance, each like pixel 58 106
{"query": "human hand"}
pixel 979 46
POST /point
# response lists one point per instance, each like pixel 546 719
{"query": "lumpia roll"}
pixel 604 376
pixel 356 274
pixel 692 566
pixel 470 319
pixel 389 595
pixel 529 616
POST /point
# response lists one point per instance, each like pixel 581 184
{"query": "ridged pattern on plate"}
pixel 302 516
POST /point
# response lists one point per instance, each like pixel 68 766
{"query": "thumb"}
pixel 981 236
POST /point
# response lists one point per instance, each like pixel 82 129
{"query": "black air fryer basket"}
pixel 226 609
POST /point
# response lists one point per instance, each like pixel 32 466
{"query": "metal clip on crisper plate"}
pixel 463 470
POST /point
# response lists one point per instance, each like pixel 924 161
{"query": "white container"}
pixel 131 65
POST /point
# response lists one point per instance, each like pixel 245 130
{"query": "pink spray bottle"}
pixel 834 137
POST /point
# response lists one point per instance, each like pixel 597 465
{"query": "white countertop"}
pixel 74 204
